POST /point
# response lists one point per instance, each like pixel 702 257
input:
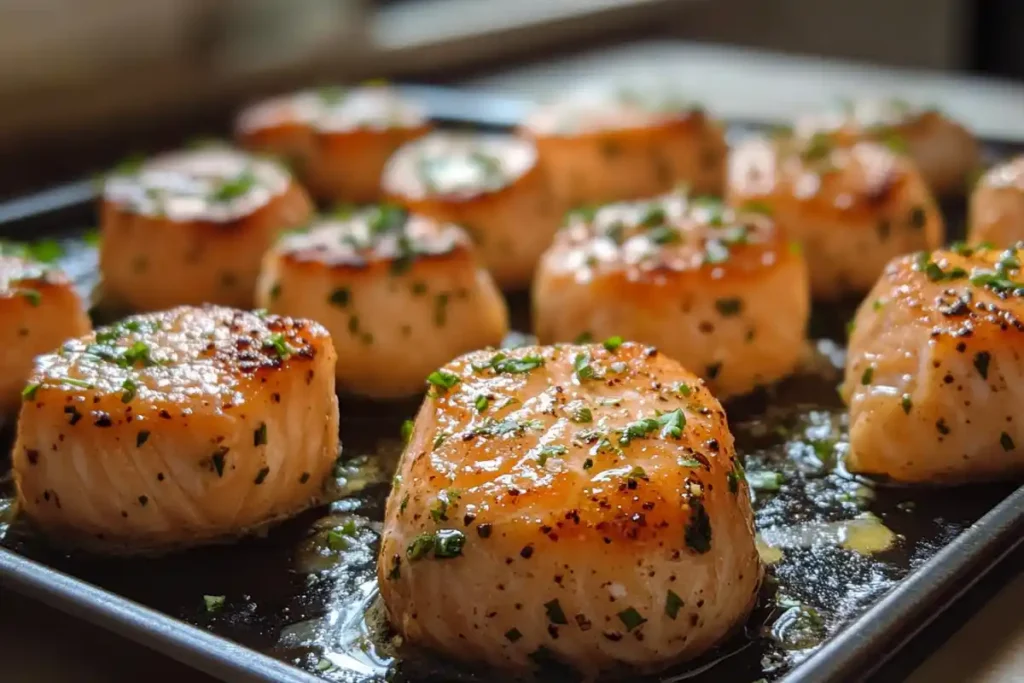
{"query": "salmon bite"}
pixel 581 500
pixel 177 428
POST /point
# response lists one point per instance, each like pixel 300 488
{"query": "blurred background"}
pixel 85 82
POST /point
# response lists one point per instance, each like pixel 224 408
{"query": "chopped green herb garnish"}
pixel 581 415
pixel 981 362
pixel 583 338
pixel 233 188
pixel 867 375
pixel 141 438
pixel 683 390
pixel 588 463
pixel 673 603
pixel 261 475
pixel 277 342
pixel 1006 441
pixel 501 363
pixel 217 461
pixel 213 603
pixel 582 367
pixel 481 403
pixel 340 297
pixel 259 437
pixel 33 296
pixel 336 540
pixel 29 392
pixel 443 380
pixel 672 423
pixel 698 528
pixel 549 451
pixel 905 403
pixel 407 431
pixel 638 430
pixel 555 613
pixel 757 206
pixel 765 480
pixel 631 619
pixel 130 390
pixel 734 475
pixel 513 634
pixel 612 343
pixel 729 307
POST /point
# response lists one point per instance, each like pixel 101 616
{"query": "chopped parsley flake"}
pixel 29 392
pixel 213 603
pixel 481 403
pixel 141 438
pixel 130 390
pixel 555 613
pixel 638 430
pixel 444 544
pixel 501 363
pixel 906 404
pixel 673 603
pixel 549 451
pixel 582 367
pixel 443 380
pixel 765 480
pixel 672 423
pixel 407 430
pixel 581 415
pixel 233 188
pixel 512 635
pixel 340 297
pixel 981 361
pixel 698 529
pixel 281 347
pixel 33 296
pixel 631 619
pixel 261 475
pixel 867 375
pixel 729 307
pixel 259 437
pixel 612 343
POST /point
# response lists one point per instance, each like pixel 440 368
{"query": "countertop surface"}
pixel 981 642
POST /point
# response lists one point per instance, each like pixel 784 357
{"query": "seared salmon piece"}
pixel 489 184
pixel 852 208
pixel 191 228
pixel 997 205
pixel 933 365
pixel 601 147
pixel 718 289
pixel 39 309
pixel 177 428
pixel 400 295
pixel 337 140
pixel 574 503
pixel 944 151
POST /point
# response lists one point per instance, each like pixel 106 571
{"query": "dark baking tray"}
pixel 957 536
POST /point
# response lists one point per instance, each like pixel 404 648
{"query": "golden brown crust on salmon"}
pixel 933 368
pixel 944 151
pixel 491 185
pixel 400 295
pixel 192 227
pixel 605 149
pixel 997 205
pixel 852 208
pixel 39 309
pixel 580 499
pixel 337 140
pixel 720 291
pixel 176 429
